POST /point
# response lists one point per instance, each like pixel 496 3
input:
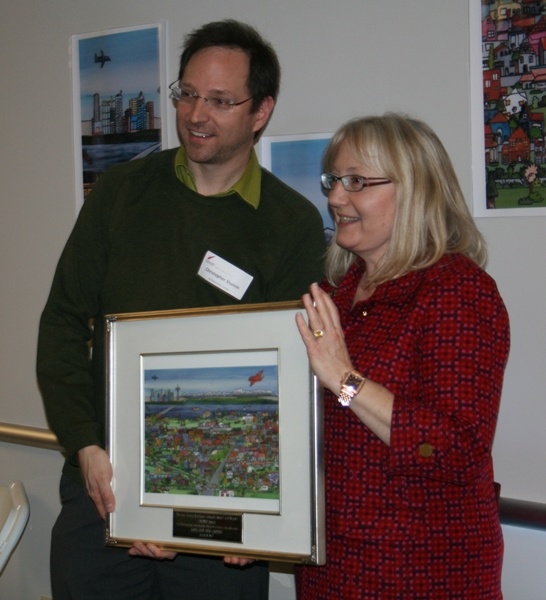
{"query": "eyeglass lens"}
pixel 213 102
pixel 351 183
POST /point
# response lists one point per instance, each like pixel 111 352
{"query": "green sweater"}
pixel 137 246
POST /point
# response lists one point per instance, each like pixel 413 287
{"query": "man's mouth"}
pixel 199 134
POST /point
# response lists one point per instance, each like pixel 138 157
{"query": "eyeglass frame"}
pixel 191 98
pixel 366 181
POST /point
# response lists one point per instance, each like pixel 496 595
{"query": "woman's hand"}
pixel 330 360
pixel 324 338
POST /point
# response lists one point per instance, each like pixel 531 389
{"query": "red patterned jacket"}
pixel 418 519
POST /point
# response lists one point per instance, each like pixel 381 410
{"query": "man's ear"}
pixel 263 114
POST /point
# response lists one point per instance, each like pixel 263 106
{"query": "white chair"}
pixel 14 513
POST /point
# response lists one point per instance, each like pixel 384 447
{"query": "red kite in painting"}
pixel 255 378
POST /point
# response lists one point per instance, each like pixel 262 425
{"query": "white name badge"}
pixel 223 275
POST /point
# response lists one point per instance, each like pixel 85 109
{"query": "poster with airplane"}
pixel 119 108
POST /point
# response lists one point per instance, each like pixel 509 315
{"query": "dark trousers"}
pixel 83 568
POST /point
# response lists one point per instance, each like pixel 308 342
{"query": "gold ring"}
pixel 318 333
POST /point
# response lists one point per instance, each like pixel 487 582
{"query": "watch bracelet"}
pixel 346 394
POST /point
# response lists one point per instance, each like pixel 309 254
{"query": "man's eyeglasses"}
pixel 213 102
pixel 351 183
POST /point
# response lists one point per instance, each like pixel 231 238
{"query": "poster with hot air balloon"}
pixel 212 426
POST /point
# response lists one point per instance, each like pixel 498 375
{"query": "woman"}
pixel 409 338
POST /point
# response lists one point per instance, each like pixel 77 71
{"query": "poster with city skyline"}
pixel 119 110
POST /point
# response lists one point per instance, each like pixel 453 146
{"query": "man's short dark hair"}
pixel 264 69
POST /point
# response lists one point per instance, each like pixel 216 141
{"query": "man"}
pixel 138 245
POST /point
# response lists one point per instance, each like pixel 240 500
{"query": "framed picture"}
pixel 119 98
pixel 508 86
pixel 296 160
pixel 215 433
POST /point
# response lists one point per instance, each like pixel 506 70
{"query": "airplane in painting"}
pixel 255 378
pixel 101 58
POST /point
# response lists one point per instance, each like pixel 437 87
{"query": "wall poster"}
pixel 296 160
pixel 508 76
pixel 119 109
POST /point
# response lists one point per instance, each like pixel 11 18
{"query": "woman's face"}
pixel 364 219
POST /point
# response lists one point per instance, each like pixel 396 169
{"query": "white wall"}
pixel 340 59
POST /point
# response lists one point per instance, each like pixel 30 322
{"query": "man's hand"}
pixel 150 551
pixel 97 475
pixel 237 561
pixel 153 551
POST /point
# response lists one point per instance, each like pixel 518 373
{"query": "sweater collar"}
pixel 247 188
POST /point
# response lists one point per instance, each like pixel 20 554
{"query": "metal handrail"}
pixel 29 436
pixel 522 513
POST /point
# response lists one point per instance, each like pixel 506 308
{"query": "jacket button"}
pixel 425 450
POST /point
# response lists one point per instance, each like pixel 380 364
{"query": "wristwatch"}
pixel 351 383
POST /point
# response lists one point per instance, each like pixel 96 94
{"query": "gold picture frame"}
pixel 215 433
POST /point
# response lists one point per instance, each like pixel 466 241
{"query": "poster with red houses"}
pixel 513 78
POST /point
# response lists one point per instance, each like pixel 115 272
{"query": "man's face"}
pixel 214 137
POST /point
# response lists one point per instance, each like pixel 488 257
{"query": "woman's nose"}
pixel 337 195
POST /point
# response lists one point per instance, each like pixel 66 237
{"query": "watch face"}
pixel 353 380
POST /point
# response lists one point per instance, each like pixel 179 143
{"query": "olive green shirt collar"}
pixel 248 187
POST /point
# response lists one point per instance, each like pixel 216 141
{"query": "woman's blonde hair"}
pixel 432 217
